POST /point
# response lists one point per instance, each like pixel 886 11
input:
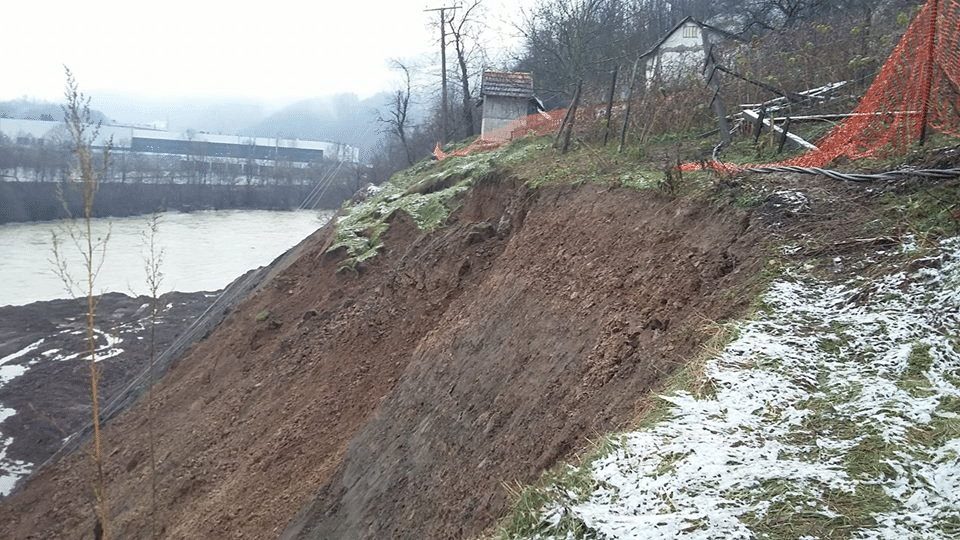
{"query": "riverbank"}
pixel 44 368
pixel 38 201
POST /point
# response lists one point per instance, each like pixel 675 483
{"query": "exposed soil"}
pixel 399 400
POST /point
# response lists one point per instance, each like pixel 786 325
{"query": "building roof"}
pixel 123 135
pixel 507 84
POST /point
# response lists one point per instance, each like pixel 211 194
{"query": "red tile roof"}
pixel 507 84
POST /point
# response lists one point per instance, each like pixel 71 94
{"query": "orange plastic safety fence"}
pixel 917 90
pixel 535 124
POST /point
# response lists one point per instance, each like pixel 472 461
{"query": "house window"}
pixel 690 32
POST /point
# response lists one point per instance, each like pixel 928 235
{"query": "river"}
pixel 201 251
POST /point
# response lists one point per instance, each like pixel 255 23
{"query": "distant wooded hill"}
pixel 25 109
pixel 343 118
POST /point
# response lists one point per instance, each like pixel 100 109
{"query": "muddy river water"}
pixel 200 251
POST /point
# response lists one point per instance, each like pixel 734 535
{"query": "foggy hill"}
pixel 27 109
pixel 341 118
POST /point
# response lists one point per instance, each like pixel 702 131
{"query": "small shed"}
pixel 506 97
pixel 681 53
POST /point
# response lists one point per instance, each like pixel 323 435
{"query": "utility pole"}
pixel 443 71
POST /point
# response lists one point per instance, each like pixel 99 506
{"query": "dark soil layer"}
pixel 398 400
pixel 584 300
pixel 52 398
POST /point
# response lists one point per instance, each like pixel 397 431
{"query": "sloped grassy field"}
pixel 832 414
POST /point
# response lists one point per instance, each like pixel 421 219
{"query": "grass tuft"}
pixel 428 192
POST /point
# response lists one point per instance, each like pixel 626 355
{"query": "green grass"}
pixel 928 212
pixel 913 156
pixel 545 166
pixel 919 361
pixel 938 431
pixel 428 192
pixel 914 380
pixel 567 481
pixel 868 458
pixel 820 512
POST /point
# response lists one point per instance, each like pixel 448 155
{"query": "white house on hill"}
pixel 681 53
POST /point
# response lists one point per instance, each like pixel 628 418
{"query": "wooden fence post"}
pixel 758 125
pixel 783 135
pixel 626 114
pixel 613 88
pixel 569 120
pixel 713 83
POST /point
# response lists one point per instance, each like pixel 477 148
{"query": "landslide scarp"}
pixel 550 344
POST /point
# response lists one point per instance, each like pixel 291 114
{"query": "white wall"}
pixel 680 56
pixel 499 113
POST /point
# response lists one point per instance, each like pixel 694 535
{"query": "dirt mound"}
pixel 396 400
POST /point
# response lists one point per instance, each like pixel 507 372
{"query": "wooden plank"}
pixel 839 116
pixel 626 115
pixel 811 93
pixel 755 115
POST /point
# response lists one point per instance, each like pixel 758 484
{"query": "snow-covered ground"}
pixel 833 414
pixel 108 346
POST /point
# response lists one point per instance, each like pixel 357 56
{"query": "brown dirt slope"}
pixel 559 341
pixel 396 401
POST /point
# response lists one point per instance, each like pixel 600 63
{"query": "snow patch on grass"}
pixel 835 414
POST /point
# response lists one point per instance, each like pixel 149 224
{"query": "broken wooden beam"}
pixel 755 116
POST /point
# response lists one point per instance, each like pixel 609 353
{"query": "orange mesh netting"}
pixel 534 124
pixel 917 89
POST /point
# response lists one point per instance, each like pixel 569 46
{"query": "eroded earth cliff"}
pixel 399 397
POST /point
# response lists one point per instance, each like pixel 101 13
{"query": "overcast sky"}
pixel 274 51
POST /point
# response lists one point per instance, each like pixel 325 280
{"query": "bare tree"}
pixel 396 120
pixel 85 179
pixel 766 15
pixel 153 261
pixel 465 35
pixel 567 41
